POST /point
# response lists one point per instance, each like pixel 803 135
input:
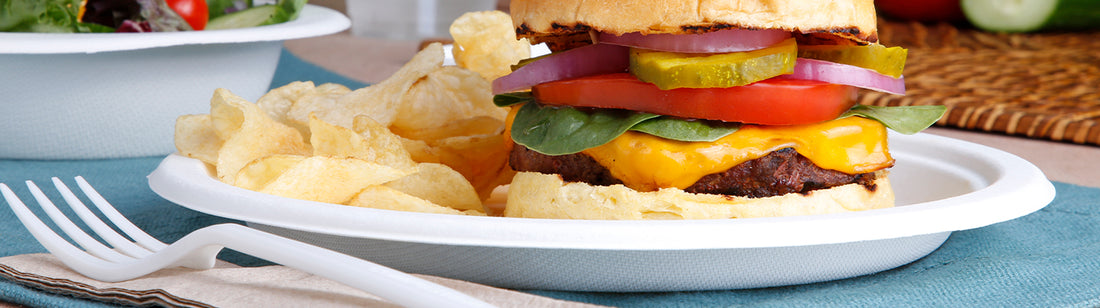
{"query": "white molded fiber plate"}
pixel 942 185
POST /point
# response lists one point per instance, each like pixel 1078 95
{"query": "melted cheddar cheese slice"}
pixel 645 162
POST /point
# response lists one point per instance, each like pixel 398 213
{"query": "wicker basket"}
pixel 1043 86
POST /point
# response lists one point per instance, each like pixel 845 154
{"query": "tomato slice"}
pixel 771 102
pixel 195 12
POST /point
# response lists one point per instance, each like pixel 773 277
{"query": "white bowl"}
pixel 110 95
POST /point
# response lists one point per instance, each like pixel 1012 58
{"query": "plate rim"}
pixel 1017 182
pixel 312 21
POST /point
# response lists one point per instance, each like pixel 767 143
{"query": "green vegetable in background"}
pixel 1032 15
pixel 221 7
pixel 60 16
pixel 281 11
pixel 161 18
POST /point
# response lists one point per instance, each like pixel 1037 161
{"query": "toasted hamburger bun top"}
pixel 813 22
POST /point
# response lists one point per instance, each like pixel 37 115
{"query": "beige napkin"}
pixel 229 285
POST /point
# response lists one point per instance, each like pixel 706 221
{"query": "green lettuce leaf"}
pixel 57 16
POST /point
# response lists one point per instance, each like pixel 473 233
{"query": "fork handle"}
pixel 393 285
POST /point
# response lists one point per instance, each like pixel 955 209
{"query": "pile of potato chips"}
pixel 427 139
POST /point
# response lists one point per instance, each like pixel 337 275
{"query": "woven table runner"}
pixel 1044 86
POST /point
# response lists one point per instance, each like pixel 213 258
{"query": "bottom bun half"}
pixel 538 195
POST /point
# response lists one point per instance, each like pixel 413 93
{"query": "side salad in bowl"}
pixel 105 16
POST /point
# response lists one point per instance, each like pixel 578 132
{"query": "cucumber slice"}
pixel 252 17
pixel 1032 15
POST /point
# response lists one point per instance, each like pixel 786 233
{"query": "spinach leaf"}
pixel 553 130
pixel 560 130
pixel 508 99
pixel 686 130
pixel 903 119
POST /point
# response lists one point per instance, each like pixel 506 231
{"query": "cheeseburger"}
pixel 676 109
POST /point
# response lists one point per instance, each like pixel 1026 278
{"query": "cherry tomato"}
pixel 923 10
pixel 193 11
pixel 773 101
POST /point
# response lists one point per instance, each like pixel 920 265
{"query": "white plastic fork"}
pixel 145 254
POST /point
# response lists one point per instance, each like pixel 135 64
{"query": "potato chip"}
pixel 196 138
pixel 382 197
pixel 480 125
pixel 249 134
pixel 420 151
pixel 485 165
pixel 482 159
pixel 372 143
pixel 277 101
pixel 333 90
pixel 378 101
pixel 440 185
pixel 323 95
pixel 443 96
pixel 227 112
pixel 485 42
pixel 257 174
pixel 329 179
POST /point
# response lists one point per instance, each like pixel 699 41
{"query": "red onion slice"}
pixel 844 74
pixel 729 40
pixel 578 62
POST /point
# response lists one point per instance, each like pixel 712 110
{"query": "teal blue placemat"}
pixel 291 68
pixel 1049 258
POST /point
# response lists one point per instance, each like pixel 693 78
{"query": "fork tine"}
pixel 120 221
pixel 49 239
pixel 93 246
pixel 105 232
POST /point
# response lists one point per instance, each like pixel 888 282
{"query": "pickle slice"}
pixel 670 70
pixel 888 61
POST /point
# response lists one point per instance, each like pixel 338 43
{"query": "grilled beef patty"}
pixel 778 173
